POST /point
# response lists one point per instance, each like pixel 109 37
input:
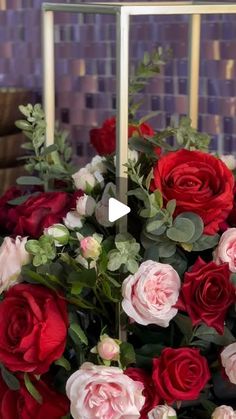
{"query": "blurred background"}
pixel 85 74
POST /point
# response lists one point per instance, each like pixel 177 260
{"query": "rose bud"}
pixel 162 412
pixel 108 348
pixel 59 233
pixel 73 220
pixel 90 248
pixel 85 205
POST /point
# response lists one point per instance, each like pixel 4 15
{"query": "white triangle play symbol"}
pixel 116 210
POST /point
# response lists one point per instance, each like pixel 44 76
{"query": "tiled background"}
pixel 85 67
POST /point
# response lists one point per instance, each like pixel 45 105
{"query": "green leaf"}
pixel 154 225
pixel 21 199
pixel 208 405
pixel 23 125
pixel 198 224
pixel 170 206
pixel 132 265
pixel 115 261
pixel 152 253
pixel 32 246
pixel 86 277
pixel 32 390
pixel 182 231
pixel 75 327
pixel 140 144
pixel 64 363
pixel 106 287
pixel 49 150
pixel 209 334
pixel 11 381
pixel 166 249
pixel 149 116
pixel 149 179
pixel 184 323
pixel 158 198
pixel 139 193
pixel 29 180
pixel 206 242
pixel 127 354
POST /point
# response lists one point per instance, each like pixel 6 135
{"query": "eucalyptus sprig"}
pixel 45 163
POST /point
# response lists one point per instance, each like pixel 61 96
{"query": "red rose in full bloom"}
pixel 180 374
pixel 38 212
pixel 104 139
pixel 21 405
pixel 150 393
pixel 33 332
pixel 207 293
pixel 199 182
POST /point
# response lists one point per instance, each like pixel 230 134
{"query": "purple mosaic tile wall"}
pixel 85 68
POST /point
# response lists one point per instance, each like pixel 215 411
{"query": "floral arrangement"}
pixel 129 325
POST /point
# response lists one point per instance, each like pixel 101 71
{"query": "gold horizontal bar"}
pixel 134 9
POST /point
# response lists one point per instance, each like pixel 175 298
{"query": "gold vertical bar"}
pixel 48 74
pixel 194 67
pixel 122 86
pixel 122 97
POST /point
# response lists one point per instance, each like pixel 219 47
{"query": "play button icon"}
pixel 116 210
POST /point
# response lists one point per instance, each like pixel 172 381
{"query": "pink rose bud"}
pixel 162 412
pixel 228 359
pixel 224 412
pixel 108 349
pixel 90 248
pixel 12 257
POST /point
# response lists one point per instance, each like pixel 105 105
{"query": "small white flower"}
pixel 84 180
pixel 85 205
pixel 229 160
pixel 132 155
pixel 59 233
pixel 73 220
pixel 97 165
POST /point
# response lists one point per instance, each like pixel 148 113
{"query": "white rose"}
pixel 224 412
pixel 97 165
pixel 162 412
pixel 73 220
pixel 84 180
pixel 85 205
pixel 12 257
pixel 229 160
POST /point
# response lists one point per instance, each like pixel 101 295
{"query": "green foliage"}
pixel 127 354
pixel 149 67
pixel 43 250
pixel 125 255
pixel 32 389
pixel 187 137
pixel 48 162
pixel 10 380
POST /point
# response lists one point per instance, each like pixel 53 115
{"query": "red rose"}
pixel 33 333
pixel 207 293
pixel 152 398
pixel 10 194
pixel 180 374
pixel 38 212
pixel 20 404
pixel 104 139
pixel 199 182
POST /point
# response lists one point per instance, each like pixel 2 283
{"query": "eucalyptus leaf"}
pixel 206 242
pixel 209 334
pixel 29 180
pixel 182 230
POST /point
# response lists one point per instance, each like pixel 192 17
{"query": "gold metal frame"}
pixel 123 11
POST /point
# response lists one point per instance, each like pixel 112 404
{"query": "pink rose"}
pixel 162 412
pixel 228 359
pixel 108 348
pixel 226 250
pixel 96 391
pixel 224 412
pixel 150 294
pixel 12 257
